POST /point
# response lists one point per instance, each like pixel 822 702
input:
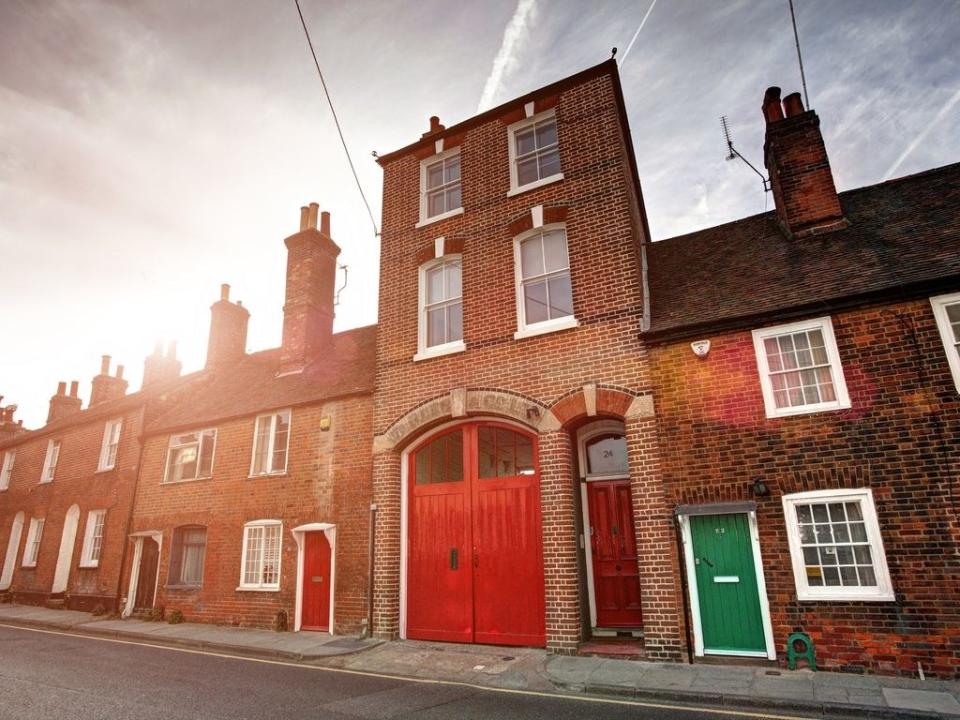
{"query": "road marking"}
pixel 420 681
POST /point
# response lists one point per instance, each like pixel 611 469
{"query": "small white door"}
pixel 65 558
pixel 10 561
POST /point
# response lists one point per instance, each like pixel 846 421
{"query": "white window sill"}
pixel 438 218
pixel 847 597
pixel 806 410
pixel 277 473
pixel 535 184
pixel 183 588
pixel 185 480
pixel 547 326
pixel 29 567
pixel 106 469
pixel 44 482
pixel 440 351
pixel 258 589
pixel 88 565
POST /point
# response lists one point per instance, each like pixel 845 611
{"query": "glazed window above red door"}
pixel 441 461
pixel 607 455
pixel 504 453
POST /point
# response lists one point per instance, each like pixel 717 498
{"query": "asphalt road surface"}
pixel 55 675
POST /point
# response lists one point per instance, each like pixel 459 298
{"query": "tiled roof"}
pixel 903 237
pixel 253 385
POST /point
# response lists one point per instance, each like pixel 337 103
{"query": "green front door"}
pixel 730 619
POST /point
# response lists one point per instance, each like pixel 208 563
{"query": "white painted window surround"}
pixel 190 456
pixel 93 539
pixel 50 461
pixel 800 368
pixel 543 287
pixel 835 546
pixel 34 536
pixel 271 441
pixel 946 310
pixel 440 308
pixel 110 445
pixel 6 470
pixel 440 193
pixel 260 564
pixel 534 152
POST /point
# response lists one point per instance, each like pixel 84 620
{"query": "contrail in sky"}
pixel 509 49
pixel 632 41
pixel 923 134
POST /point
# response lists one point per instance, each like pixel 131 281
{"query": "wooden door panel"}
pixel 315 596
pixel 147 576
pixel 616 577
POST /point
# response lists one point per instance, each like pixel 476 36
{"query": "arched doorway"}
pixel 474 556
pixel 612 568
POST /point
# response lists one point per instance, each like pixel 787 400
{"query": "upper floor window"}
pixel 534 152
pixel 261 555
pixel 50 461
pixel 111 443
pixel 440 186
pixel 271 438
pixel 441 307
pixel 946 309
pixel 190 456
pixel 31 552
pixel 187 556
pixel 835 546
pixel 800 370
pixel 6 470
pixel 93 538
pixel 544 291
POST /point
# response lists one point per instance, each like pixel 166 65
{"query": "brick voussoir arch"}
pixel 463 403
pixel 594 400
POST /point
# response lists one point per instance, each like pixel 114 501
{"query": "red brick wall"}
pixel 596 197
pixel 327 480
pixel 899 438
pixel 76 481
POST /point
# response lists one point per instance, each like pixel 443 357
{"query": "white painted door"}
pixel 65 557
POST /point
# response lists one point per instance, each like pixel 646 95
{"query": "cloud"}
pixel 921 136
pixel 637 33
pixel 515 33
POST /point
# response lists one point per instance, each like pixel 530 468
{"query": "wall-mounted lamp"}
pixel 760 488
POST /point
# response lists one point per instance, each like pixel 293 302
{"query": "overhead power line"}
pixel 336 120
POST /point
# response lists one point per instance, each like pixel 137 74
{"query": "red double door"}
pixel 474 557
pixel 613 547
pixel 315 595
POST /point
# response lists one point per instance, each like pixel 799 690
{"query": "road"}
pixel 57 675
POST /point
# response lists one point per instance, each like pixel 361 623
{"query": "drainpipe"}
pixel 126 530
pixel 373 524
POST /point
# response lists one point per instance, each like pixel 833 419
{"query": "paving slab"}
pixel 929 700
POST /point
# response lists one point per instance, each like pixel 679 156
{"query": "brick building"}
pixel 806 375
pixel 513 399
pixel 66 490
pixel 252 506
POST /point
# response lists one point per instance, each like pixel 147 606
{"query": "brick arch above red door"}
pixel 594 400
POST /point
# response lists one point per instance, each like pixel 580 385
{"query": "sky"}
pixel 151 151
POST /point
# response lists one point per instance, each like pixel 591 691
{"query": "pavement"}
pixel 772 690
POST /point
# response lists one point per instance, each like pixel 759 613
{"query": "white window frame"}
pixel 271 439
pixel 210 432
pixel 424 202
pixel 455 346
pixel 825 326
pixel 31 551
pixel 6 472
pixel 883 591
pixel 92 549
pixel 525 330
pixel 512 131
pixel 261 587
pixel 111 437
pixel 940 304
pixel 50 461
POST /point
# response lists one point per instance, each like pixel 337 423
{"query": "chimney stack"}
pixel 61 404
pixel 228 330
pixel 435 127
pixel 107 387
pixel 800 175
pixel 311 280
pixel 8 426
pixel 158 368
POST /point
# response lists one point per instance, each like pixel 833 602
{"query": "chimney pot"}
pixel 105 365
pixel 304 217
pixel 793 105
pixel 228 331
pixel 224 291
pixel 325 223
pixel 435 125
pixel 312 216
pixel 74 386
pixel 772 109
pixel 62 388
pixel 120 372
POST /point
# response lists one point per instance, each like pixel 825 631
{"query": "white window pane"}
pixel 549 163
pixel 547 134
pixel 555 250
pixel 453 198
pixel 435 175
pixel 435 203
pixel 525 141
pixel 435 285
pixel 561 296
pixel 452 169
pixel 953 316
pixel 535 302
pixel 436 327
pixel 454 287
pixel 280 436
pixel 261 445
pixel 772 350
pixel 454 322
pixel 527 171
pixel 531 257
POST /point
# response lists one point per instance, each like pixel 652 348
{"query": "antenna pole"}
pixel 796 38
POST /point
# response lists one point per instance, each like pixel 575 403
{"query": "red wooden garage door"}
pixel 474 562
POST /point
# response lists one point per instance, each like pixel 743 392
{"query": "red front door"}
pixel 474 559
pixel 315 598
pixel 616 579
